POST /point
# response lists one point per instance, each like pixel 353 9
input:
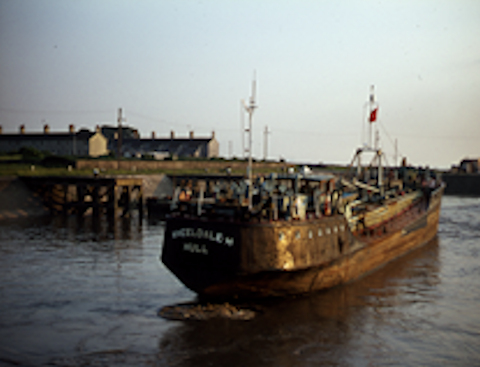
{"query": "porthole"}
pixel 327 231
pixel 320 233
pixel 297 235
pixel 335 229
pixel 310 234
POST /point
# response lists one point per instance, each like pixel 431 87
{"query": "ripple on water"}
pixel 79 293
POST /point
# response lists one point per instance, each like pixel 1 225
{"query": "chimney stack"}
pixel 22 129
pixel 46 129
pixel 153 134
pixel 191 134
pixel 213 134
pixel 71 129
pixel 172 134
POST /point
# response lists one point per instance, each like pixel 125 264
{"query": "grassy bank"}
pixel 28 169
pixel 30 162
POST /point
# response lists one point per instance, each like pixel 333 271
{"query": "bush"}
pixel 30 154
pixel 54 161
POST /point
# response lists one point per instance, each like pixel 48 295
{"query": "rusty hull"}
pixel 290 257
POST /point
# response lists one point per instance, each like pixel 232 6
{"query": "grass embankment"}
pixel 28 169
pixel 33 163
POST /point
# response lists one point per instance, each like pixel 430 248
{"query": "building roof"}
pixel 179 147
pixel 127 132
pixel 81 135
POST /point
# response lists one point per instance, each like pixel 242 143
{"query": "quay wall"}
pixel 462 184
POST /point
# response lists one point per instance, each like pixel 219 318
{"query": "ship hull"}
pixel 219 259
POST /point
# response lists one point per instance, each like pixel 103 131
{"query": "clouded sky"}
pixel 185 65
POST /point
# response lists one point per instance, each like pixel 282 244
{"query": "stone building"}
pixel 71 143
pixel 470 165
pixel 191 146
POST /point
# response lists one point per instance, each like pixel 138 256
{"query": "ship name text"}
pixel 199 233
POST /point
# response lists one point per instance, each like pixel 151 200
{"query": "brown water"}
pixel 82 293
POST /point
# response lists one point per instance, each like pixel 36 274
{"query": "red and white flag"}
pixel 373 115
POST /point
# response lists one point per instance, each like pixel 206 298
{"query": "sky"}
pixel 186 65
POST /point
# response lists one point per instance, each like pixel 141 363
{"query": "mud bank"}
pixel 17 201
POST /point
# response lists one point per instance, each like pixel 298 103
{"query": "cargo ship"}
pixel 291 234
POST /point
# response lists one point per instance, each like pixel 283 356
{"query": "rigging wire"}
pixel 390 139
pixel 364 118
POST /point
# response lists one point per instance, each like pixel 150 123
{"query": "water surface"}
pixel 79 292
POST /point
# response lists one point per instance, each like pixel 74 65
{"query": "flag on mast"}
pixel 373 115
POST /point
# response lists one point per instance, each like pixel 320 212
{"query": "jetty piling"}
pixel 111 196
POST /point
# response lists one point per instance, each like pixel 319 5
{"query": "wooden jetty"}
pixel 81 195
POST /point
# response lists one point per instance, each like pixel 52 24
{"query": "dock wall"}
pixel 462 184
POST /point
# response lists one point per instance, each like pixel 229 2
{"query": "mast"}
pixel 250 108
pixel 372 145
pixel 120 119
pixel 265 143
pixel 396 153
pixel 373 109
pixel 242 127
